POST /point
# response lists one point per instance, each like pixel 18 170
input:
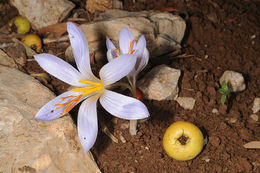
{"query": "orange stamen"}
pixel 96 86
pixel 117 51
pixel 131 47
pixel 69 104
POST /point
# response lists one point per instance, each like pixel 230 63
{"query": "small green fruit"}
pixel 33 41
pixel 19 25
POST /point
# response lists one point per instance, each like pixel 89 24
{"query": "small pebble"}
pixel 122 139
pixel 233 120
pixel 256 105
pixel 124 126
pixel 205 158
pixel 253 37
pixel 254 117
pixel 215 111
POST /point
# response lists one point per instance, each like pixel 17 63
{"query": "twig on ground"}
pixel 52 40
pixel 109 134
pixel 77 19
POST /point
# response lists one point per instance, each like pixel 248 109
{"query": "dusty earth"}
pixel 221 35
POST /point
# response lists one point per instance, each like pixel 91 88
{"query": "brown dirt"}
pixel 220 36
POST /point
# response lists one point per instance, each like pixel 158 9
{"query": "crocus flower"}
pixel 88 88
pixel 128 45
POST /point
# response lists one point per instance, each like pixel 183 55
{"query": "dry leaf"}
pixel 29 51
pixel 253 145
pixel 43 75
pixel 55 30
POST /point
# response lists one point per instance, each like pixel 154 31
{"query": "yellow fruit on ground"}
pixel 183 141
pixel 20 25
pixel 33 41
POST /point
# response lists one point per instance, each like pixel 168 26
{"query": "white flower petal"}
pixel 80 50
pixel 59 68
pixel 125 38
pixel 143 61
pixel 110 56
pixel 87 123
pixel 141 45
pixel 109 44
pixel 117 69
pixel 123 106
pixel 49 111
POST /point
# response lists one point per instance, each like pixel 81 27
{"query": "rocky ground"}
pixel 219 36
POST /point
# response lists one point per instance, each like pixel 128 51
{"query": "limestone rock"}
pixel 31 145
pixel 161 83
pixel 186 102
pixel 234 80
pixel 103 5
pixel 256 105
pixel 42 13
pixel 163 31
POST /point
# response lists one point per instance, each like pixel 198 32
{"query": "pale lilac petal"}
pixel 111 53
pixel 109 44
pixel 110 56
pixel 87 123
pixel 125 38
pixel 80 50
pixel 49 111
pixel 59 68
pixel 143 61
pixel 140 46
pixel 117 69
pixel 123 106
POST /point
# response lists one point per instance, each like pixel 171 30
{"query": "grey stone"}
pixel 42 13
pixel 186 102
pixel 234 80
pixel 161 83
pixel 163 31
pixel 31 145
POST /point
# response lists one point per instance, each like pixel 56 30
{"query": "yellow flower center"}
pixel 95 87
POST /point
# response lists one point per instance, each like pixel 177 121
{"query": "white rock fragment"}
pixel 186 102
pixel 161 83
pixel 256 105
pixel 254 117
pixel 215 111
pixel 42 13
pixel 163 31
pixel 40 146
pixel 234 80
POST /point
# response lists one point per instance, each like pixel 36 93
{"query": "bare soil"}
pixel 221 35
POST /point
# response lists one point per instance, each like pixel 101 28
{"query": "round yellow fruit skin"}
pixel 32 39
pixel 21 23
pixel 193 145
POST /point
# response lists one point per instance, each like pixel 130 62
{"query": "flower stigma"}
pixel 95 87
